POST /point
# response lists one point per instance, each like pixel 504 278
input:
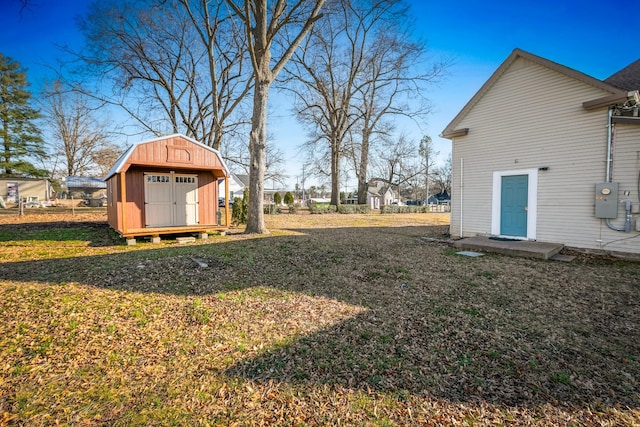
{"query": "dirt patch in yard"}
pixel 328 320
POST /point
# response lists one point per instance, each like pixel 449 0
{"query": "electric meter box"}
pixel 607 200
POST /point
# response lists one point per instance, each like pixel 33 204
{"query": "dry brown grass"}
pixel 329 320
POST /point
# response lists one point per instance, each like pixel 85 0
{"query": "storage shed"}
pixel 167 185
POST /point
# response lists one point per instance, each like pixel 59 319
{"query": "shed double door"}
pixel 170 199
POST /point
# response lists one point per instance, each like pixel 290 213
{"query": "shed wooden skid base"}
pixel 200 229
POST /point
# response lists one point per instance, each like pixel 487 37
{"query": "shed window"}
pixel 157 178
pixel 185 179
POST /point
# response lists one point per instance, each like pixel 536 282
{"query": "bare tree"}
pixel 267 25
pixel 173 65
pixel 396 164
pixel 391 86
pixel 105 157
pixel 427 161
pixel 78 134
pixel 356 71
pixel 326 71
pixel 442 176
pixel 236 153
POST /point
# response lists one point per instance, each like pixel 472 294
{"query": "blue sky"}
pixel 595 37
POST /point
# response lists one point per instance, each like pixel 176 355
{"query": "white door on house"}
pixel 158 200
pixel 170 199
pixel 186 196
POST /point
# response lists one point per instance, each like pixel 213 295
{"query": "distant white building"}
pixel 29 189
pixel 237 184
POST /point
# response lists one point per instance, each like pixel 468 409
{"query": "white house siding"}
pixel 532 117
pixel 625 171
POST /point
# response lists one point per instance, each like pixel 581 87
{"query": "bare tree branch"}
pixel 265 24
pixel 173 65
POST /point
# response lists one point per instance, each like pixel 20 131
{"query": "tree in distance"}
pixel 20 138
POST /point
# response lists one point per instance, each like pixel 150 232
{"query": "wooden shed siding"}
pixel 532 117
pixel 207 198
pixel 176 154
pixel 135 199
pixel 158 153
pixel 114 202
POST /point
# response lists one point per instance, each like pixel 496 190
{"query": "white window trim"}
pixel 532 203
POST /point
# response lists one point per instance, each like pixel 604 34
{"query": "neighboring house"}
pixel 439 199
pixel 166 185
pixel 381 193
pixel 373 200
pixel 237 184
pixel 544 152
pixel 29 189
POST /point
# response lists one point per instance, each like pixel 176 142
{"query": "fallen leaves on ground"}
pixel 329 320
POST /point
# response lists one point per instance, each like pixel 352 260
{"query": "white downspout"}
pixel 461 193
pixel 610 141
pixel 609 144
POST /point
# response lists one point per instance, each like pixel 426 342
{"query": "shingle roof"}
pixel 627 78
pixel 85 182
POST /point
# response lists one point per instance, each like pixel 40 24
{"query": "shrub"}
pixel 353 209
pixel 277 198
pixel 271 209
pixel 323 209
pixel 392 209
pixel 240 208
pixel 293 208
pixel 288 198
pixel 236 211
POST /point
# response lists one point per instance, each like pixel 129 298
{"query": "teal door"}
pixel 513 205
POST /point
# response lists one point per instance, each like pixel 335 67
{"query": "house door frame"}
pixel 532 202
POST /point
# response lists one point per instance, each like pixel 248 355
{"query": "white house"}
pixel 544 152
pixel 380 193
pixel 237 184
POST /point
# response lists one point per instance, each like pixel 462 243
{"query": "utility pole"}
pixel 303 167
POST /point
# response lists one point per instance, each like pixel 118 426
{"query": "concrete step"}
pixel 522 248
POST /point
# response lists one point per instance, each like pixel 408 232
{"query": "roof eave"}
pixel 516 53
pixel 609 100
pixel 455 133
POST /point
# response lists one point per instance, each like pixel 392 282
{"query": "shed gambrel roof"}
pixel 452 130
pixel 121 163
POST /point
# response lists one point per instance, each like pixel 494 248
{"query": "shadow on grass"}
pixel 98 234
pixel 507 331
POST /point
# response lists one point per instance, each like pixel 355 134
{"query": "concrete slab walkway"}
pixel 523 248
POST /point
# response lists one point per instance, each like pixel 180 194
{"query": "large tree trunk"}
pixel 335 174
pixel 257 150
pixel 363 186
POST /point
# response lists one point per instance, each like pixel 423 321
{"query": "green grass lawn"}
pixel 329 320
